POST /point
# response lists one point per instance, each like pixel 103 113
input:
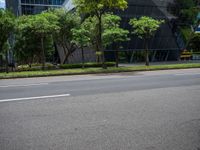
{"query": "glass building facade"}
pixel 21 7
pixel 166 43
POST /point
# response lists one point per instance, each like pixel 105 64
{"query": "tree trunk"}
pixel 146 53
pixel 7 68
pixel 43 54
pixel 117 58
pixel 83 58
pixel 100 41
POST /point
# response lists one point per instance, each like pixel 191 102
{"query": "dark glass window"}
pixel 44 2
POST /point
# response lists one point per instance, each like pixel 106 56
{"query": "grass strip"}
pixel 28 74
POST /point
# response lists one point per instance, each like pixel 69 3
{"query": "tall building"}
pixel 21 7
pixel 166 43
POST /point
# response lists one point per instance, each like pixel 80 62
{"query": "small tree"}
pixel 113 34
pixel 44 25
pixel 40 27
pixel 66 21
pixel 145 28
pixel 98 8
pixel 7 23
pixel 82 39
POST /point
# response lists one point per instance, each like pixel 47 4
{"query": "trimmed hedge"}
pixel 38 67
pixel 86 65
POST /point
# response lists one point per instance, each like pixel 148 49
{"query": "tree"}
pixel 27 46
pixel 90 24
pixel 66 21
pixel 40 26
pixel 98 8
pixel 187 10
pixel 44 25
pixel 81 39
pixel 113 34
pixel 145 27
pixel 7 23
pixel 194 42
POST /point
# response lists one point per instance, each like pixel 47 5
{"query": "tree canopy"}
pixel 194 43
pixel 66 22
pixel 98 8
pixel 37 28
pixel 7 24
pixel 113 33
pixel 145 27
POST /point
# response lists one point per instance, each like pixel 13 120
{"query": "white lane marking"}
pixel 32 98
pixel 185 74
pixel 19 85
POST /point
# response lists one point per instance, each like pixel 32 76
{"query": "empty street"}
pixel 157 110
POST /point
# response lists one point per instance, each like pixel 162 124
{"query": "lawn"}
pixel 60 72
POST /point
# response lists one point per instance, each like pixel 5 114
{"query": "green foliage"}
pixel 87 65
pixel 98 6
pixel 189 15
pixel 38 67
pixel 187 10
pixel 28 74
pixel 81 37
pixel 185 4
pixel 112 33
pixel 145 27
pixel 35 67
pixel 7 23
pixel 34 36
pixel 43 24
pixel 186 32
pixel 64 37
pixel 90 25
pixel 194 43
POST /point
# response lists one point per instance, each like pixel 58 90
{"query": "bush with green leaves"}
pixel 87 65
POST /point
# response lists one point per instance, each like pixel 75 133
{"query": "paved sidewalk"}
pixel 160 63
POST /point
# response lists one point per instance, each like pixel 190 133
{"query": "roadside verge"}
pixel 28 74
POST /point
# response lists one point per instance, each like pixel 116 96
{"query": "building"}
pixel 26 7
pixel 167 43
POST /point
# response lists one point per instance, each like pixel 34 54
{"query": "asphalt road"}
pixel 158 110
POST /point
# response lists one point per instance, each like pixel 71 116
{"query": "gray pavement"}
pixel 158 110
pixel 161 63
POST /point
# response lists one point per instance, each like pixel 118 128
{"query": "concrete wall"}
pixel 90 55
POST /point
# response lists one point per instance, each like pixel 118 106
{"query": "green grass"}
pixel 27 74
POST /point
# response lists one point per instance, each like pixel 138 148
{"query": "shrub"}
pixel 36 67
pixel 87 65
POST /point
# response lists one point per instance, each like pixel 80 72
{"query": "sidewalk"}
pixel 159 63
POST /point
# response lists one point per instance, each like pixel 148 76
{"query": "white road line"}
pixel 185 74
pixel 26 85
pixel 32 98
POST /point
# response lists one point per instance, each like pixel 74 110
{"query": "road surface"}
pixel 157 110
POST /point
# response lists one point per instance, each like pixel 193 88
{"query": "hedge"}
pixel 38 67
